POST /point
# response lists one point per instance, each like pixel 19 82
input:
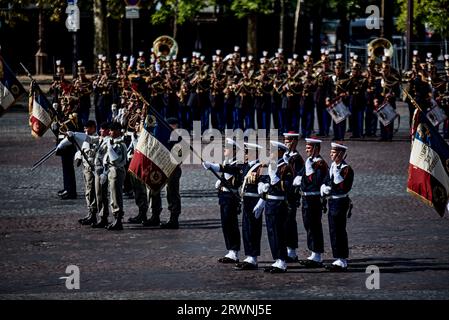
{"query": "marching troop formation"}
pixel 277 188
pixel 237 92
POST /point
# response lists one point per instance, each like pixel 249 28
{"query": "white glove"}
pixel 297 181
pixel 78 156
pixel 258 209
pixel 262 187
pixel 213 166
pixel 70 134
pixel 131 61
pixel 103 178
pixel 272 173
pixel 325 190
pixel 286 157
pixel 217 184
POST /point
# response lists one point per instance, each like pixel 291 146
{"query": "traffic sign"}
pixel 132 12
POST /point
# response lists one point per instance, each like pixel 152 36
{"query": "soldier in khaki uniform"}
pixel 115 159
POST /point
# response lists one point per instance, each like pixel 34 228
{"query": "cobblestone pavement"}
pixel 40 236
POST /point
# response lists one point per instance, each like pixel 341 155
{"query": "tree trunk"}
pixel 295 30
pixel 343 29
pixel 120 35
pixel 316 33
pixel 251 42
pixel 281 23
pixel 101 39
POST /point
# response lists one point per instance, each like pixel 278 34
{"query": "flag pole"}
pixel 162 120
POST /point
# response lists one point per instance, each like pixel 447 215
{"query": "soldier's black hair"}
pixel 104 125
pixel 115 126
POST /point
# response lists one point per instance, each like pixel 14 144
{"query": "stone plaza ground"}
pixel 40 236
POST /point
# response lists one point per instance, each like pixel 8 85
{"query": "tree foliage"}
pixel 243 8
pixel 182 10
pixel 430 12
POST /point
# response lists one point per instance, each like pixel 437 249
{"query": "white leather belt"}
pixel 61 136
pixel 313 193
pixel 224 189
pixel 271 197
pixel 250 194
pixel 340 196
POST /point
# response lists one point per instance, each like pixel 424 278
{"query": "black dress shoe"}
pixel 290 259
pixel 102 224
pixel 116 225
pixel 335 268
pixel 277 270
pixel 152 222
pixel 91 221
pixel 267 269
pixel 170 225
pixel 137 219
pixel 310 263
pixel 89 215
pixel 245 266
pixel 227 260
pixel 66 195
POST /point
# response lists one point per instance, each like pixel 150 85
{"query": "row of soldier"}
pixel 277 188
pixel 235 92
pixel 104 158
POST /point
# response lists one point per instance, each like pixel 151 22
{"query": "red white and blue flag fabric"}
pixel 152 162
pixel 10 88
pixel 41 112
pixel 428 173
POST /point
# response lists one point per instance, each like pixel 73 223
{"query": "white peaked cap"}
pixel 291 134
pixel 174 57
pixel 326 52
pixel 58 62
pixel 103 58
pixel 218 52
pixel 415 52
pixel 309 52
pixel 262 60
pixel 305 58
pixel 351 54
pixel 214 57
pixel 280 50
pixel 338 56
pixel 202 58
pixel 429 54
pixel 289 60
pixel 446 56
pixel 243 59
pixel 338 146
pixel 125 58
pixel 252 146
pixel 140 53
pixel 313 141
pixel 100 56
pixel 295 56
pixel 184 60
pixel 236 48
pixel 79 62
pixel 250 58
pixel 118 55
pixel 386 53
pixel 278 145
pixel 231 143
pixel 265 53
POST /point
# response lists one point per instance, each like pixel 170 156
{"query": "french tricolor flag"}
pixel 428 174
pixel 152 162
pixel 41 113
pixel 10 88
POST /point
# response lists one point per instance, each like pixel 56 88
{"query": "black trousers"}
pixel 291 226
pixel 311 216
pixel 275 217
pixel 68 169
pixel 229 211
pixel 338 209
pixel 251 228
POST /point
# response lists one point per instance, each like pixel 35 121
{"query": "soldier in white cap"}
pixel 229 200
pixel 336 188
pixel 294 159
pixel 312 177
pixel 251 223
pixel 273 200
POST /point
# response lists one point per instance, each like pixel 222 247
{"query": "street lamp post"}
pixel 40 54
pixel 73 24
